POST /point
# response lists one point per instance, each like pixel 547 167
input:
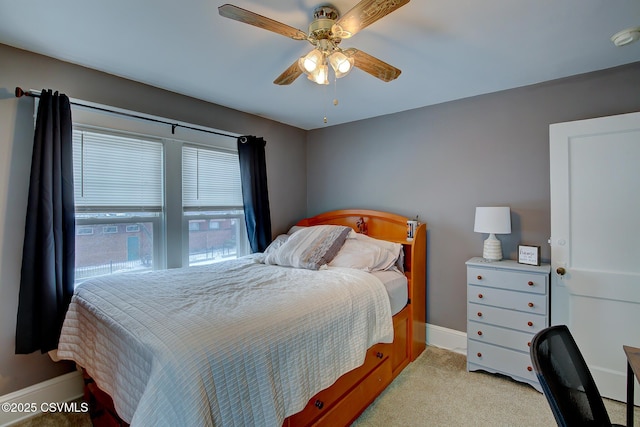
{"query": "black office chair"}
pixel 565 379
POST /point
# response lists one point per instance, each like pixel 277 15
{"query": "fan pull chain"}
pixel 335 99
pixel 324 93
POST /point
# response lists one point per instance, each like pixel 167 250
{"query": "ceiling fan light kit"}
pixel 325 33
pixel 625 37
pixel 314 64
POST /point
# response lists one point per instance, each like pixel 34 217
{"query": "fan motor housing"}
pixel 326 11
pixel 324 18
pixel 321 28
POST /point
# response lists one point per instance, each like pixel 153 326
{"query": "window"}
pixel 153 202
pixel 118 184
pixel 212 203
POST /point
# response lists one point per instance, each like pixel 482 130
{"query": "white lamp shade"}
pixel 496 220
pixel 340 63
pixel 309 63
pixel 320 75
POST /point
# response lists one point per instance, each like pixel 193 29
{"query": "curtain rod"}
pixel 19 92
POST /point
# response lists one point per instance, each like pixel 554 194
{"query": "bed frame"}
pixel 349 396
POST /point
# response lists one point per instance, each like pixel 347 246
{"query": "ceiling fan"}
pixel 325 33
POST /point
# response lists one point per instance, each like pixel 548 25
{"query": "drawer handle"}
pixel 479 277
pixel 479 354
pixel 319 404
pixel 530 283
pixel 529 368
pixel 480 296
pixel 530 323
pixel 379 355
pixel 480 333
pixel 479 314
pixel 530 304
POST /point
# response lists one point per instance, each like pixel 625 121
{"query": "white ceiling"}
pixel 446 49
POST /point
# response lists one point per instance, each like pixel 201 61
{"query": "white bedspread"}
pixel 231 344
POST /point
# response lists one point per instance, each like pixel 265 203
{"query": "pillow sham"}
pixel 367 253
pixel 277 242
pixel 309 247
pixel 295 228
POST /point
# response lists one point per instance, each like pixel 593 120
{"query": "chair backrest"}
pixel 566 380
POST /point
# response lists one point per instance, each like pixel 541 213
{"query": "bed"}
pixel 269 339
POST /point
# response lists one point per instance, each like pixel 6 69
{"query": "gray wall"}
pixel 440 162
pixel 286 169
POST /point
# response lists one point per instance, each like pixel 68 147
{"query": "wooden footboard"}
pixel 350 395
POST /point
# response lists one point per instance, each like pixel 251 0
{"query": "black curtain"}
pixel 253 173
pixel 48 255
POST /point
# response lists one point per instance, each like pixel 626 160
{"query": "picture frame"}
pixel 529 254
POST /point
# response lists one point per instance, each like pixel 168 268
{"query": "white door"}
pixel 595 238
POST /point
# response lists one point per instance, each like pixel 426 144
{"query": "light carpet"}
pixel 437 390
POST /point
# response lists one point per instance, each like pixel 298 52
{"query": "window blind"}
pixel 113 171
pixel 210 179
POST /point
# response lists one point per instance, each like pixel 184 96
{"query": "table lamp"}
pixel 492 220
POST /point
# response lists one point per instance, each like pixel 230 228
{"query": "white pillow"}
pixel 277 242
pixel 295 228
pixel 309 247
pixel 366 253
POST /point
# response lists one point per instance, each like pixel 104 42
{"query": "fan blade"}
pixel 372 65
pixel 289 75
pixel 233 12
pixel 366 13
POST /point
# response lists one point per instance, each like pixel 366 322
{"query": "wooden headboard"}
pixel 381 225
pixel 392 227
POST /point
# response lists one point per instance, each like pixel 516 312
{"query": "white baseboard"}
pixel 63 388
pixel 449 339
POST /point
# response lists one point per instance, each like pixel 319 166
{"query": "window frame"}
pixel 207 213
pixel 134 214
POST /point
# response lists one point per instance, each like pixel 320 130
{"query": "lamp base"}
pixel 492 250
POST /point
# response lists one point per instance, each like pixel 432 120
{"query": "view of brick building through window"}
pixel 212 240
pixel 112 248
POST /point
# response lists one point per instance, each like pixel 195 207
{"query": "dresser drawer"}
pixel 526 322
pixel 501 360
pixel 513 280
pixel 490 334
pixel 521 301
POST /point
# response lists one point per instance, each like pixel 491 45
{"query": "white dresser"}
pixel 507 303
